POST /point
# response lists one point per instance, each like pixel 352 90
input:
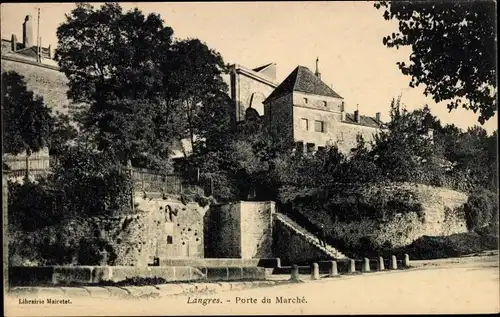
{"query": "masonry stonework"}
pixel 134 239
pixel 346 136
pixel 291 248
pixel 442 216
pixel 239 230
pixel 45 81
pixel 256 229
pixel 249 89
pixel 222 235
pixel 279 117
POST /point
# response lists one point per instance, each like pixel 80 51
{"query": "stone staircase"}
pixel 309 237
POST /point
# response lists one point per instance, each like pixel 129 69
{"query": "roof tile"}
pixel 303 80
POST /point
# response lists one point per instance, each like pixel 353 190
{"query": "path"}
pixel 469 286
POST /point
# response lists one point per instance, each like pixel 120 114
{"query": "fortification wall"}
pixel 129 240
pixel 239 230
pixel 45 81
pixel 442 216
pixel 256 229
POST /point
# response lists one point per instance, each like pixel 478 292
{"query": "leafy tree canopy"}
pixel 26 120
pixel 453 50
pixel 144 90
pixel 112 60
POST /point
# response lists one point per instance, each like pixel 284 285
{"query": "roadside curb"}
pixel 140 292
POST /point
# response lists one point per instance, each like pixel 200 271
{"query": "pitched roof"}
pixel 363 120
pixel 302 79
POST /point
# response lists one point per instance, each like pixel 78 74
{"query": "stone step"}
pixel 309 237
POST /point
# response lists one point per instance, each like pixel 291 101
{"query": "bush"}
pixel 33 205
pixel 91 181
pixel 95 251
pixel 481 210
pixel 428 247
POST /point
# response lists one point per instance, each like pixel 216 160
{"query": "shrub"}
pixel 95 251
pixel 428 247
pixel 481 210
pixel 91 181
pixel 33 205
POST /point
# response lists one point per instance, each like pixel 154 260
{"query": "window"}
pixel 321 148
pixel 305 124
pixel 310 147
pixel 319 126
pixel 170 240
pixel 325 103
pixel 305 100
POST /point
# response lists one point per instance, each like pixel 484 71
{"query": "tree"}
pixel 112 60
pixel 404 149
pixel 62 131
pixel 26 120
pixel 453 50
pixel 194 85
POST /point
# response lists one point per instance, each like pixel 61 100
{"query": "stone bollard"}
pixel 394 263
pixel 315 272
pixel 333 269
pixel 381 265
pixel 406 261
pixel 366 265
pixel 278 262
pixel 351 267
pixel 295 273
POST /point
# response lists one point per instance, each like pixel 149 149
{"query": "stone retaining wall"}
pixel 87 275
pixel 442 216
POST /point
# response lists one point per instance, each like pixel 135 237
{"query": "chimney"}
pixel 317 73
pixel 50 51
pixel 356 116
pixel 377 116
pixel 13 43
pixel 28 31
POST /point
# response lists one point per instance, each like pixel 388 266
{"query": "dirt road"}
pixel 469 285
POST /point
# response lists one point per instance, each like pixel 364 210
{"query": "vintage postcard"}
pixel 249 158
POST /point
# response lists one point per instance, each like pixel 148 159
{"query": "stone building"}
pixel 33 61
pixel 301 109
pixel 248 88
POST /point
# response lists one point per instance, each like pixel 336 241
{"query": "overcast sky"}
pixel 346 36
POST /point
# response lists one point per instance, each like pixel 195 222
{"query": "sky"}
pixel 345 36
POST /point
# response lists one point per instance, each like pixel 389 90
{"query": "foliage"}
pixel 481 210
pixel 26 120
pixel 112 60
pixel 194 87
pixel 91 181
pixel 349 203
pixel 83 183
pixel 455 245
pixel 144 91
pixel 33 205
pixel 62 132
pixel 95 251
pixel 453 50
pixel 403 150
